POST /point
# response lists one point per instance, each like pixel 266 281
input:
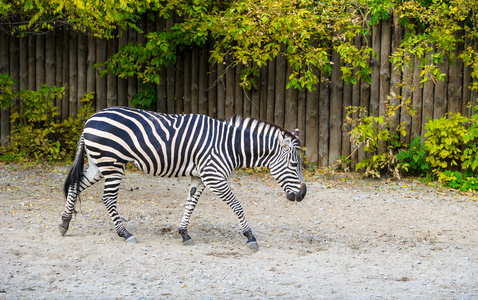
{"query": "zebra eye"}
pixel 293 164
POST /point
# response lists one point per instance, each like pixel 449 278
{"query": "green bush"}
pixel 36 131
pixel 445 138
pixel 379 136
pixel 465 182
pixel 413 161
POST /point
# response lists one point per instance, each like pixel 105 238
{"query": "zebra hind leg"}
pixel 197 187
pixel 88 178
pixel 110 194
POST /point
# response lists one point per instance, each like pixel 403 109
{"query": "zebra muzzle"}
pixel 298 196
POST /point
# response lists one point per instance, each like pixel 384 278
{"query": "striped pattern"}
pixel 203 148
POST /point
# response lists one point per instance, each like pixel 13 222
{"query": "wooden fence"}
pixel 193 85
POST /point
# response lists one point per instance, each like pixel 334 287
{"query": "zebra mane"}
pixel 253 123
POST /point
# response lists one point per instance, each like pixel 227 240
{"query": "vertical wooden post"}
pixel 280 90
pixel 65 104
pixel 39 61
pixel 59 49
pixel 238 94
pixel 82 67
pixel 230 75
pixel 50 59
pixel 396 74
pixel 271 84
pixel 111 81
pixel 263 93
pixel 428 105
pixel 4 68
pixel 132 81
pixel 417 102
pixel 161 106
pixel 122 82
pixel 312 129
pixel 336 94
pixel 101 82
pixel 375 64
pixel 203 79
pixel 291 102
pixel 187 81
pixel 455 84
pixel 31 62
pixel 90 69
pixel 195 80
pixel 365 95
pixel 440 98
pixel 73 74
pixel 179 84
pixel 301 117
pixel 213 108
pixel 324 117
pixel 356 103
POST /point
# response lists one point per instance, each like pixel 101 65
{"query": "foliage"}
pixel 445 136
pixel 252 33
pixel 434 30
pixel 36 131
pixel 413 160
pixel 371 132
pixel 456 180
pixel 146 97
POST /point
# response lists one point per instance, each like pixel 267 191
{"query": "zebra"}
pixel 175 145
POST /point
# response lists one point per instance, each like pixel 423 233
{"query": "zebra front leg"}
pixel 197 187
pixel 110 195
pixel 87 179
pixel 222 190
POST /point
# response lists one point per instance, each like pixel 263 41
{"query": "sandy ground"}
pixel 349 239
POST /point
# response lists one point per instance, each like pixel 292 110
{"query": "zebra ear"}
pixel 284 141
pixel 296 133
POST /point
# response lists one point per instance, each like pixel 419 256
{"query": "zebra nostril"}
pixel 302 193
pixel 291 196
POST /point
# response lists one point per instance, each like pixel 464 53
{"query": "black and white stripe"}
pixel 203 148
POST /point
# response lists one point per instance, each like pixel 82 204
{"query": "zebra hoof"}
pixel 253 246
pixel 188 242
pixel 63 229
pixel 132 240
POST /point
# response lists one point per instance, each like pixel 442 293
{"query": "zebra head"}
pixel 287 167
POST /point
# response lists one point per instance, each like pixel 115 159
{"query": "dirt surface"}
pixel 349 239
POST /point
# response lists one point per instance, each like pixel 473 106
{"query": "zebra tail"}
pixel 76 170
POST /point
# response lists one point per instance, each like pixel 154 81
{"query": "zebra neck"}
pixel 254 149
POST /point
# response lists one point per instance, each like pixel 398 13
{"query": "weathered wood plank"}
pixel 427 104
pixel 50 61
pixel 101 82
pixel 4 68
pixel 66 76
pixel 122 82
pixel 279 105
pixel 238 94
pixel 440 101
pixel 324 116
pixel 336 101
pixel 417 102
pixel 271 83
pixel 82 65
pixel 312 125
pixel 39 61
pixel 455 84
pixel 187 81
pixel 73 75
pixel 374 109
pixel 290 102
pixel 203 80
